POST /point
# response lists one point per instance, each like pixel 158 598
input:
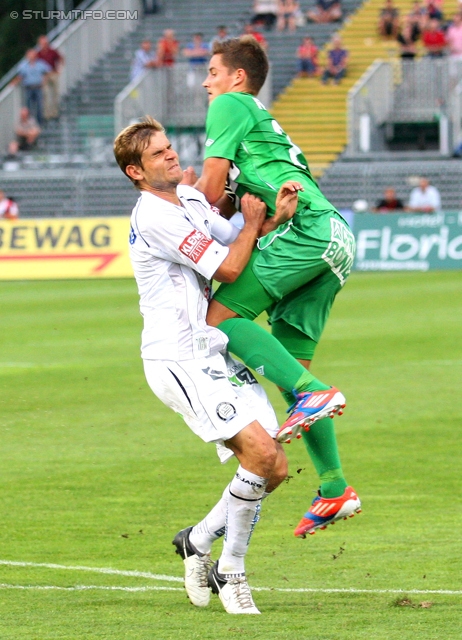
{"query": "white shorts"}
pixel 216 396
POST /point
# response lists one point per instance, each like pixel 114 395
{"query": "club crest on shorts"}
pixel 226 411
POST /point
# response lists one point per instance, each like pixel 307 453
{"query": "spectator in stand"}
pixel 337 59
pixel 434 39
pixel 51 80
pixel 265 13
pixel 433 11
pixel 144 59
pixel 417 18
pixel 307 55
pixel 8 207
pixel 454 38
pixel 407 39
pixel 27 132
pixel 388 25
pixel 249 30
pixel 167 49
pixel 425 198
pixel 326 11
pixel 150 6
pixel 32 74
pixel 389 202
pixel 197 51
pixel 288 11
pixel 220 36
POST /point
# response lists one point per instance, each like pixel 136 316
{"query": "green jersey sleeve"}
pixel 228 123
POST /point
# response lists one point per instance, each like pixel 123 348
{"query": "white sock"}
pixel 212 527
pixel 244 502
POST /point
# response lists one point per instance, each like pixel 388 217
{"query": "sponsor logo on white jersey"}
pixel 195 245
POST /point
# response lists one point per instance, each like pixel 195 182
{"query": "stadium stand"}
pixel 75 155
pixel 345 182
pixel 94 94
pixel 317 117
pixel 84 132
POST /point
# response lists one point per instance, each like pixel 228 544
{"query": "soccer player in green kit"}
pixel 295 272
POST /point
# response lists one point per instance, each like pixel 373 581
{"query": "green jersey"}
pixel 263 157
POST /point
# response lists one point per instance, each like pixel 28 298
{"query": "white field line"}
pixel 117 572
pixel 164 578
pixel 84 587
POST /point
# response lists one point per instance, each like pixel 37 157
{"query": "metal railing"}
pixel 369 104
pixel 82 44
pixel 174 96
pixel 51 35
pixel 456 116
pixel 423 92
pixel 406 91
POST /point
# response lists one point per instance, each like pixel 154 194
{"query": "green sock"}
pixel 321 444
pixel 288 397
pixel 262 352
pixel 309 383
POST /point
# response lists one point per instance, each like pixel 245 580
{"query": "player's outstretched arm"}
pixel 286 205
pixel 213 179
pixel 254 212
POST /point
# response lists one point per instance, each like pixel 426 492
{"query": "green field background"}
pixel 95 472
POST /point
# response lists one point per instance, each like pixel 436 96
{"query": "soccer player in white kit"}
pixel 178 243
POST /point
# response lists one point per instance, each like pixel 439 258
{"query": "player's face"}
pixel 161 168
pixel 220 79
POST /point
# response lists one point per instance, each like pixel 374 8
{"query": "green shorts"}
pixel 295 275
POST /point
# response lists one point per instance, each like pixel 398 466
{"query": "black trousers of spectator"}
pixel 268 20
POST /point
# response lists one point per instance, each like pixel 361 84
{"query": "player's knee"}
pixel 267 457
pixel 281 468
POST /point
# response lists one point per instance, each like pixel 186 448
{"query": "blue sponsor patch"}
pixel 132 236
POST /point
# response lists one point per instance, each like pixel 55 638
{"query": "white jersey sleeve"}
pixel 223 230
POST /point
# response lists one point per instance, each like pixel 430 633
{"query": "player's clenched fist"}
pixel 254 210
pixel 189 177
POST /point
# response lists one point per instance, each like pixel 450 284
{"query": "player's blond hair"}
pixel 132 141
pixel 244 53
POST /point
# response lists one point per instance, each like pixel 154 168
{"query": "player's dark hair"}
pixel 132 141
pixel 244 53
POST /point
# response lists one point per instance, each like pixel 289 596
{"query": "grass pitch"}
pixel 97 474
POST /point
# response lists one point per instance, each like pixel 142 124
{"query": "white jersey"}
pixel 174 252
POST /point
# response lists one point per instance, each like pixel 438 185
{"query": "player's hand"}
pixel 287 201
pixel 254 211
pixel 286 205
pixel 189 177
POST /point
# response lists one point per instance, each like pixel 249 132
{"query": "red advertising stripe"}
pixel 105 258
